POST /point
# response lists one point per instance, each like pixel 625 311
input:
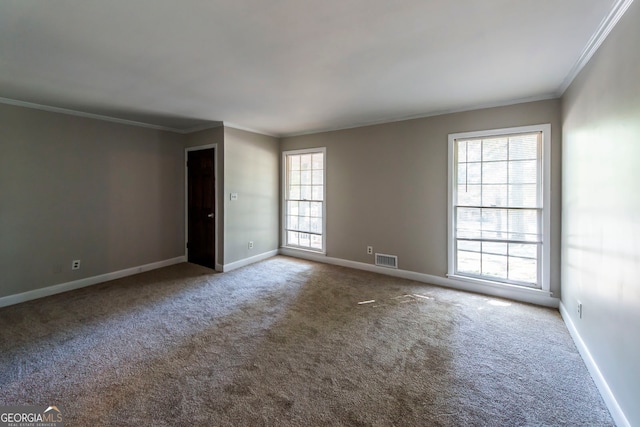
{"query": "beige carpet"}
pixel 287 342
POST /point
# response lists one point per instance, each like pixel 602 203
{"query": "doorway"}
pixel 201 207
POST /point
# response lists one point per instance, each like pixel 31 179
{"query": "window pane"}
pixel 494 195
pixel 523 147
pixel 316 241
pixel 494 265
pixel 470 195
pixel 294 163
pixel 523 172
pixel 316 209
pixel 494 173
pixel 305 178
pixel 292 222
pixel 468 262
pixel 317 161
pixel 462 151
pixel 292 238
pixel 474 151
pixel 317 177
pixel 304 240
pixel 317 193
pixel 494 224
pixel 523 225
pixel 495 149
pixel 305 162
pixel 474 173
pixel 315 225
pixel 523 195
pixel 294 192
pixel 523 269
pixel 469 223
pixel 305 208
pixel 465 245
pixel 294 178
pixel 292 208
pixel 303 223
pixel 494 248
pixel 305 192
pixel 523 250
pixel 462 173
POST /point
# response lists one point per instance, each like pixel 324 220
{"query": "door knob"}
pixel 210 215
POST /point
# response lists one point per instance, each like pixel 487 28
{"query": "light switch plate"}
pixel 234 196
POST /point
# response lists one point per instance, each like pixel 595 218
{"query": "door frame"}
pixel 215 198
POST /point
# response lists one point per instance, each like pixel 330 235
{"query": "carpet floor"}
pixel 287 342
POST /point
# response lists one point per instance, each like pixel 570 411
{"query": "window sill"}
pixel 284 249
pixel 500 285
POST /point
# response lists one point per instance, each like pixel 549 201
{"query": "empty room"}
pixel 372 213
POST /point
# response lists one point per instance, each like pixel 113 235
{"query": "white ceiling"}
pixel 286 67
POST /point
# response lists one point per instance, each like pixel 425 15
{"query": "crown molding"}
pixel 601 33
pixel 103 118
pixel 248 129
pixel 427 115
pixel 201 127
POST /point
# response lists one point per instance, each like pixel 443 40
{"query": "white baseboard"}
pixel 250 260
pixel 531 296
pixel 606 393
pixel 87 281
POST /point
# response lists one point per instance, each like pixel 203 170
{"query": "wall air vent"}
pixel 390 261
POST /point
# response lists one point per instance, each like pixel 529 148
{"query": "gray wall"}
pixel 77 188
pixel 387 184
pixel 251 169
pixel 601 209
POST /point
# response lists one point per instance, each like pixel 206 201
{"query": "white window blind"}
pixel 304 204
pixel 498 208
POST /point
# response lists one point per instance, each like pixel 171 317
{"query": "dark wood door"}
pixel 201 207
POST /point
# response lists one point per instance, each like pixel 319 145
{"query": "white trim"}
pixel 546 208
pixel 546 194
pixel 598 37
pixel 283 191
pixel 218 266
pixel 202 127
pixel 517 293
pixel 82 114
pixel 473 107
pixel 246 261
pixel 607 395
pixel 87 281
pixel 248 129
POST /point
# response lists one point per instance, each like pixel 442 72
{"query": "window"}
pixel 499 206
pixel 304 199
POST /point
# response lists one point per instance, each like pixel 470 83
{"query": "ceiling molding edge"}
pixel 598 37
pixel 248 129
pixel 427 115
pixel 201 127
pixel 85 115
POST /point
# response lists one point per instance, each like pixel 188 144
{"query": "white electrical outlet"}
pixel 370 250
pixel 75 264
pixel 251 245
pixel 579 310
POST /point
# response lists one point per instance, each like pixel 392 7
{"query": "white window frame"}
pixel 545 252
pixel 322 150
